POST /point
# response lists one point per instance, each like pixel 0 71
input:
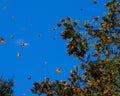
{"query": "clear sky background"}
pixel 24 19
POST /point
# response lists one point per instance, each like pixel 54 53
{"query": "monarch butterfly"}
pixel 58 25
pixel 67 18
pixel 58 70
pixel 22 43
pixel 85 23
pixel 95 18
pixel 95 1
pixel 18 55
pixel 74 23
pixel 2 40
pixel 29 77
pixel 11 37
pixel 38 35
pixel 53 29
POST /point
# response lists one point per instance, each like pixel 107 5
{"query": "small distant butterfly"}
pixel 29 77
pixel 95 2
pixel 38 35
pixel 53 29
pixel 85 23
pixel 58 70
pixel 21 42
pixel 2 40
pixel 11 37
pixel 18 55
pixel 95 18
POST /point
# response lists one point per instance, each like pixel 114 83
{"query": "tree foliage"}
pixel 98 49
pixel 6 87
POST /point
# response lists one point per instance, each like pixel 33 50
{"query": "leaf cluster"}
pixel 6 87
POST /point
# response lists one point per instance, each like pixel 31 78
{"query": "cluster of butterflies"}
pixel 58 70
pixel 22 43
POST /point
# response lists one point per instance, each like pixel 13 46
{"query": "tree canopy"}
pixel 6 87
pixel 97 46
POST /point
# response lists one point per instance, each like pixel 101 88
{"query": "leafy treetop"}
pixel 98 49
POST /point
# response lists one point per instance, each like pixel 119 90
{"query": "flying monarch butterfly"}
pixel 22 43
pixel 67 18
pixel 95 1
pixel 38 35
pixel 53 29
pixel 58 70
pixel 11 37
pixel 18 55
pixel 95 18
pixel 29 77
pixel 74 23
pixel 85 23
pixel 59 25
pixel 76 68
pixel 2 40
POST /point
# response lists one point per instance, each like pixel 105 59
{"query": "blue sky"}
pixel 24 19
